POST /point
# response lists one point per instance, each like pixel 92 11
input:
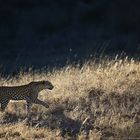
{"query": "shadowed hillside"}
pixel 50 33
pixel 98 101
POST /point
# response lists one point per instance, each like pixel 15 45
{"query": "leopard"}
pixel 28 92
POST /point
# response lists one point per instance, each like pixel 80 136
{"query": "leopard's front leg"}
pixel 37 101
pixel 28 111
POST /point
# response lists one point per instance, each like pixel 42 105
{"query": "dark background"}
pixel 51 33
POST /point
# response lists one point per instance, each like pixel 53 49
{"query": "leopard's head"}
pixel 43 85
pixel 46 85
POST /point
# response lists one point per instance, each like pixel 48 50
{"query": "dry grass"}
pixel 97 101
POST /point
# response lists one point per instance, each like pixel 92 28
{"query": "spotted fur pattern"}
pixel 27 92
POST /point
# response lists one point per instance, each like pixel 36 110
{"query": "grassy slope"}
pixel 97 101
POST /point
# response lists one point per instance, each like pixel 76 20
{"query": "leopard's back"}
pixel 15 93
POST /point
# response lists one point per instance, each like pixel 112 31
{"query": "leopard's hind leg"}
pixel 4 102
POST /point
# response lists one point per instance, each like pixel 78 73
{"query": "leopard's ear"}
pixel 32 82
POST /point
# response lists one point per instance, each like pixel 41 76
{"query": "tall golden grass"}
pixel 96 101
